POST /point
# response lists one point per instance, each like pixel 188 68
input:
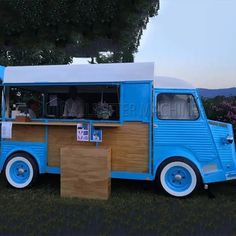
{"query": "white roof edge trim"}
pixel 79 73
pixel 171 83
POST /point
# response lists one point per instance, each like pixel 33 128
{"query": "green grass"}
pixel 135 207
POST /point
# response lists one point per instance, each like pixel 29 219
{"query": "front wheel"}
pixel 179 177
pixel 21 171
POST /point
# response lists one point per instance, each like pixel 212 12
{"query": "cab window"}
pixel 171 106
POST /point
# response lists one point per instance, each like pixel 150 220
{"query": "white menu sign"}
pixel 83 132
pixel 6 130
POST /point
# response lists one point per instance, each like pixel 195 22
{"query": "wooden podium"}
pixel 85 172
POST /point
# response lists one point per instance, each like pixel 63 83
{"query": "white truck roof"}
pixel 90 73
pixel 84 73
pixel 171 83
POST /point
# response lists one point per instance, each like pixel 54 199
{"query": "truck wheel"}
pixel 21 171
pixel 179 177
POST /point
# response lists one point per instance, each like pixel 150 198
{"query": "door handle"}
pixel 155 126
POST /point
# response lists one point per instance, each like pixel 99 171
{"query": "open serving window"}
pixel 89 102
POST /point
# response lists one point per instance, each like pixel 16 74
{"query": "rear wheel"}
pixel 21 171
pixel 179 177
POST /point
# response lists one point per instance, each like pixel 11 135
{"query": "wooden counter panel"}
pixel 129 145
pixel 28 133
pixel 58 137
pixel 85 172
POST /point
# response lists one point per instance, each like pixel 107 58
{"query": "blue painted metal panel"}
pixel 191 135
pixel 214 177
pixel 59 84
pixel 2 69
pixel 70 120
pixel 114 174
pixel 226 152
pixel 136 99
pixel 231 175
pixel 36 149
pixel 191 139
pixel 131 175
pixel 53 170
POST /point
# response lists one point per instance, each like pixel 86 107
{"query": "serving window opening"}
pixel 98 102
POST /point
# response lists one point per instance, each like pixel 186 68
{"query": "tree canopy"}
pixel 53 32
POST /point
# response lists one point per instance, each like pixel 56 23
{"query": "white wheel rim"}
pixel 19 172
pixel 178 179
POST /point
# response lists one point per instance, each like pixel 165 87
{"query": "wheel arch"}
pixel 177 153
pixel 34 157
pixel 179 158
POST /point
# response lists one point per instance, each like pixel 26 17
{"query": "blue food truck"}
pixel 156 127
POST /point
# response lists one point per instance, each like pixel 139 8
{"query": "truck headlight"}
pixel 229 139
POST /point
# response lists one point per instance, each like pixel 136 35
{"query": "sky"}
pixel 193 40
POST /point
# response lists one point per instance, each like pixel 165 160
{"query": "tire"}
pixel 179 177
pixel 21 170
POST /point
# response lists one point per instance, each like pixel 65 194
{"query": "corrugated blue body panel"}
pixel 36 149
pixel 226 151
pixel 136 98
pixel 190 135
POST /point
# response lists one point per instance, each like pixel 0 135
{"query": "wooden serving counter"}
pixel 129 142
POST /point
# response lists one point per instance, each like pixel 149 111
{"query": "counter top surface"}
pixel 95 124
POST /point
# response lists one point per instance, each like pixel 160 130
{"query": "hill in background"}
pixel 211 93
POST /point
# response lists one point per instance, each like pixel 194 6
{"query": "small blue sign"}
pixel 96 135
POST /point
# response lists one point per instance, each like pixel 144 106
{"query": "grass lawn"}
pixel 134 208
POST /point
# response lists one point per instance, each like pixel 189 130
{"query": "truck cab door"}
pixel 180 127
